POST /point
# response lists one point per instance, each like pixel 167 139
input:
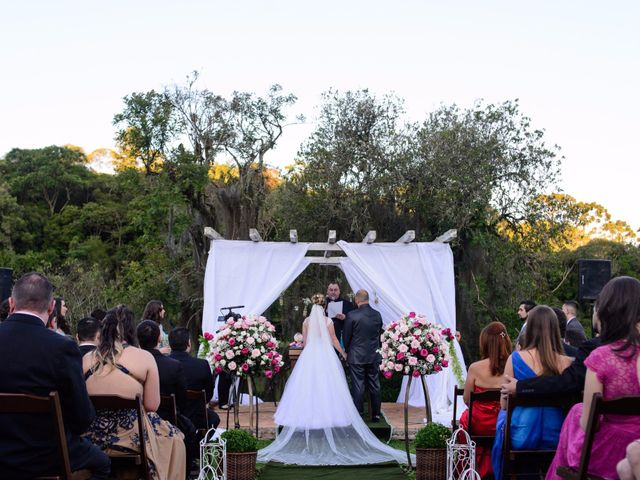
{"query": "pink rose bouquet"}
pixel 246 346
pixel 413 346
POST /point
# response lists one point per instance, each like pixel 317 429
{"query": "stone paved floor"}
pixel 393 411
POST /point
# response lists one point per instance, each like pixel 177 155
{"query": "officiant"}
pixel 336 308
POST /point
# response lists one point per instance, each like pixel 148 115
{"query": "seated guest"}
pixel 57 320
pixel 36 361
pixel 533 428
pixel 118 367
pixel 198 376
pixel 483 375
pixel 172 381
pixel 155 311
pixel 569 350
pixel 612 369
pixel 629 467
pixel 87 334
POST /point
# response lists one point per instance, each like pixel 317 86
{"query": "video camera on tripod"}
pixel 230 313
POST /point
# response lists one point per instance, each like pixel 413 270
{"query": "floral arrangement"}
pixel 414 346
pixel 205 345
pixel 246 346
pixel 297 341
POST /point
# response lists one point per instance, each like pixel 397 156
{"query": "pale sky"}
pixel 574 65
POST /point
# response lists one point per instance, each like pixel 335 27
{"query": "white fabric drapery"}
pixel 409 277
pixel 248 273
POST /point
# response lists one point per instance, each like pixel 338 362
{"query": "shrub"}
pixel 239 441
pixel 432 435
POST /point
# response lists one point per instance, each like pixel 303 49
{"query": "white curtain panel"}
pixel 409 277
pixel 248 273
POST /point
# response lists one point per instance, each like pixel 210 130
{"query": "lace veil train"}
pixel 320 424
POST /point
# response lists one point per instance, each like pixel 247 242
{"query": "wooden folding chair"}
pixel 492 395
pixel 457 392
pixel 122 459
pixel 620 406
pixel 200 396
pixel 168 405
pixel 541 458
pixel 16 403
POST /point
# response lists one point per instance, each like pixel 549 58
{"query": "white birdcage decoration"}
pixel 461 456
pixel 470 474
pixel 213 457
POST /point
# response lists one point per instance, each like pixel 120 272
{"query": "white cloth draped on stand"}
pixel 248 273
pixel 410 277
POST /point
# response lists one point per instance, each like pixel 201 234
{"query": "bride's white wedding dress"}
pixel 320 424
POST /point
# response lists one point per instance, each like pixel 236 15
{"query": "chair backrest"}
pixel 629 405
pixel 491 395
pixel 115 402
pixel 14 403
pixel 200 396
pixel 168 404
pixel 457 392
pixel 563 401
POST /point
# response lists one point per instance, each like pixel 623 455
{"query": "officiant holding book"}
pixel 336 308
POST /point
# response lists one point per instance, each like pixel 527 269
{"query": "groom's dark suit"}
pixel 361 337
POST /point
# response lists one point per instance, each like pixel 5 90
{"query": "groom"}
pixel 361 336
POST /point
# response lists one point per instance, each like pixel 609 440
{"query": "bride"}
pixel 320 423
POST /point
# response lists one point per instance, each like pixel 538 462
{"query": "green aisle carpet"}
pixel 381 471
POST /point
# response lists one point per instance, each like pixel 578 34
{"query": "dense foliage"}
pixel 239 441
pixel 432 435
pixel 189 158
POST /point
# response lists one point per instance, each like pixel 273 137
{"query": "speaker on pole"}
pixel 5 283
pixel 592 276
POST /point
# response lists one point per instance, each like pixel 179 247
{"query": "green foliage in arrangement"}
pixel 432 435
pixel 239 441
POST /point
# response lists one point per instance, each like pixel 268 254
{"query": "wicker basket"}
pixel 241 466
pixel 431 463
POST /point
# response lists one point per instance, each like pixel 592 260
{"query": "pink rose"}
pixel 414 350
pixel 208 336
pixel 387 374
pixel 435 349
pixel 232 366
pixel 399 356
pixel 269 355
pixel 218 369
pixel 416 373
pixel 245 350
pixel 413 361
pixel 268 374
pixel 232 341
pixel 245 367
pixel 270 344
pixel 229 354
pixel 255 353
pixel 276 368
pixel 445 363
pixel 412 314
pixel 275 361
pixel 424 352
pixel 431 358
pixel 437 367
pixel 416 324
pixel 398 367
pixel 217 357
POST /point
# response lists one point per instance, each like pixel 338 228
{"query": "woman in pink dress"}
pixel 483 375
pixel 612 370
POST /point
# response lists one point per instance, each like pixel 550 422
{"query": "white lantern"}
pixel 213 456
pixel 461 456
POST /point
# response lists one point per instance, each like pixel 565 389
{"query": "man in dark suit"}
pixel 361 336
pixel 198 376
pixel 523 313
pixel 333 295
pixel 575 331
pixel 36 361
pixel 87 334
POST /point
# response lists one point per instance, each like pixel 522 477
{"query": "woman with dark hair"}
pixel 612 369
pixel 57 321
pixel 533 428
pixel 118 367
pixel 155 311
pixel 486 374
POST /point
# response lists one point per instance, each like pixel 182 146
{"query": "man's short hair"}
pixel 87 329
pixel 362 295
pixel 528 305
pixel 572 306
pixel 98 314
pixel 179 339
pixel 148 333
pixel 33 292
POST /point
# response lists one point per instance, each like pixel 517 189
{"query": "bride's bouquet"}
pixel 246 346
pixel 414 346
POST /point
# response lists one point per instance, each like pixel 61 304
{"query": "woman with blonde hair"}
pixel 533 428
pixel 118 367
pixel 320 423
pixel 486 374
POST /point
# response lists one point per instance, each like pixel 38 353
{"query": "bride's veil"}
pixel 320 424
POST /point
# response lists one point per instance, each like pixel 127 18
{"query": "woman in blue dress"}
pixel 533 428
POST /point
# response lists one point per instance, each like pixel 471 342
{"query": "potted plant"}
pixel 431 452
pixel 242 452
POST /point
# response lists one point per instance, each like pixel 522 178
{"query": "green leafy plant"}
pixel 239 441
pixel 432 435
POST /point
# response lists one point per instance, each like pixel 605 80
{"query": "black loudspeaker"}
pixel 5 283
pixel 592 276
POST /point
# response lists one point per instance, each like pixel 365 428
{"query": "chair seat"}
pixel 572 473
